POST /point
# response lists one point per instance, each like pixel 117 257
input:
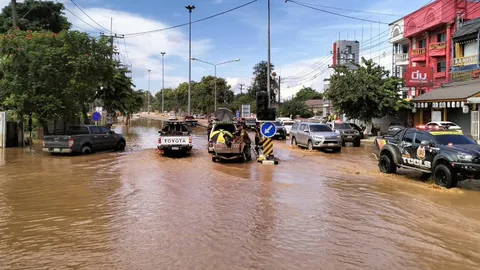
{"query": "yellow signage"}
pixel 456 132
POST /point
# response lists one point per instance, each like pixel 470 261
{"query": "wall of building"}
pixel 457 116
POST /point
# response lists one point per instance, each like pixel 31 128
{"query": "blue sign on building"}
pixel 238 114
pixel 268 129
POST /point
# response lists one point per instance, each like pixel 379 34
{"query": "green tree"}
pixel 36 16
pixel 293 108
pixel 259 82
pixel 365 93
pixel 307 93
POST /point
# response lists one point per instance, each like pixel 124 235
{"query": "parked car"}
pixel 84 140
pixel 315 136
pixel 190 120
pixel 281 133
pixel 443 125
pixel 287 123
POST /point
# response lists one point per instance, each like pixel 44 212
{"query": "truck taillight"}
pixel 70 142
pixel 190 139
pixel 159 140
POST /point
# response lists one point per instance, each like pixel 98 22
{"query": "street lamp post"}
pixel 190 9
pixel 268 64
pixel 163 79
pixel 215 73
pixel 148 94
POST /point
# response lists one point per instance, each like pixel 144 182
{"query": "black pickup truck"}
pixel 449 156
pixel 84 140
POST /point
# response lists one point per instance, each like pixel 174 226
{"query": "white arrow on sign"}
pixel 267 130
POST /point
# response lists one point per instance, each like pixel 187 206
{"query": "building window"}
pixel 442 37
pixel 349 49
pixel 405 49
pixel 422 44
pixel 405 94
pixel 441 66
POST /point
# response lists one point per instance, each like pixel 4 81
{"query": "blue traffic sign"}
pixel 238 114
pixel 268 129
pixel 96 116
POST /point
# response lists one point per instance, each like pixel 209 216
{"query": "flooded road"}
pixel 139 210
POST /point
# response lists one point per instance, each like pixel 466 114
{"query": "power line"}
pixel 185 24
pixel 77 16
pixel 353 10
pixel 126 51
pixel 88 15
pixel 334 13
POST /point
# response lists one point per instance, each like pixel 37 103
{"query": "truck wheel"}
pixel 121 146
pixel 386 164
pixel 86 150
pixel 356 143
pixel 310 145
pixel 214 159
pixel 444 176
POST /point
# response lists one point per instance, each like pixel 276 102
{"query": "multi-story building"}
pixel 401 49
pixel 430 30
pixel 346 52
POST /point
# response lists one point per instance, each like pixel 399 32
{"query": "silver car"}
pixel 315 136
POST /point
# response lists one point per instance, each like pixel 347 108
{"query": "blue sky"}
pixel 299 36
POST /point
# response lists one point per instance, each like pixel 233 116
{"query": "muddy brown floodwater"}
pixel 140 210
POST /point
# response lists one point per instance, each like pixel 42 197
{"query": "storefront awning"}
pixel 473 100
pixel 458 91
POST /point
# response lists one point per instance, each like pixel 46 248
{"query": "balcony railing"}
pixel 417 51
pixel 401 57
pixel 437 45
pixel 464 61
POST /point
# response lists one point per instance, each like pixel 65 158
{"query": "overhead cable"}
pixel 334 13
pixel 185 24
pixel 78 17
pixel 88 16
pixel 352 10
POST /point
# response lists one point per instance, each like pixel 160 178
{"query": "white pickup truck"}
pixel 175 137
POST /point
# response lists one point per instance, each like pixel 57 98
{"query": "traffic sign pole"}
pixel 268 131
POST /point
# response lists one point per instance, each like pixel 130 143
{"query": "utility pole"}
pixel 241 87
pixel 163 79
pixel 268 60
pixel 148 94
pixel 14 13
pixel 112 36
pixel 190 9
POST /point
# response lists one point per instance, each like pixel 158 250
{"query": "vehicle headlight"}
pixel 465 157
pixel 318 137
pixel 356 132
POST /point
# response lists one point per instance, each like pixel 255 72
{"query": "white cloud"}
pixel 144 52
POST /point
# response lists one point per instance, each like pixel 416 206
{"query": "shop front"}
pixel 453 102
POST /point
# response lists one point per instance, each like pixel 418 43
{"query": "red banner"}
pixel 418 76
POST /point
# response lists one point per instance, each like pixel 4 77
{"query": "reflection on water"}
pixel 140 210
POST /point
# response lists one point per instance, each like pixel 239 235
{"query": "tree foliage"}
pixel 202 96
pixel 293 108
pixel 364 93
pixel 36 16
pixel 259 82
pixel 54 76
pixel 307 93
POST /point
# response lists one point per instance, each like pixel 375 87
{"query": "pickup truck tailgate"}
pixel 221 148
pixel 175 140
pixel 56 141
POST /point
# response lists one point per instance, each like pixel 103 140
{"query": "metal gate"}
pixel 3 129
pixel 475 124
